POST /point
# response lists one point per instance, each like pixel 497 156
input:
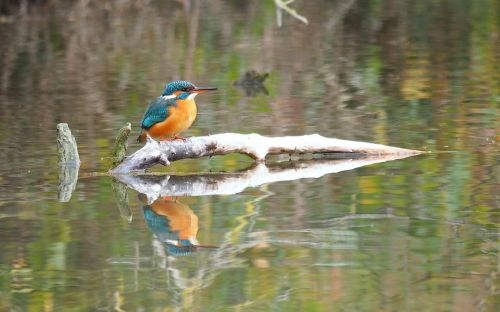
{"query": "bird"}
pixel 172 112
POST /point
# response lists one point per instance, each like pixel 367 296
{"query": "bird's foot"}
pixel 166 139
pixel 176 137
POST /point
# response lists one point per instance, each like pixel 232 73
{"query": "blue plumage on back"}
pixel 157 112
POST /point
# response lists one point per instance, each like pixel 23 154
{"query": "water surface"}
pixel 414 234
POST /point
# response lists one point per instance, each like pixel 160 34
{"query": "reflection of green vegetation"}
pixel 420 74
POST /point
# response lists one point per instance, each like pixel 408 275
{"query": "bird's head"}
pixel 184 89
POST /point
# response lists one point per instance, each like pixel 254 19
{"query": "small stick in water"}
pixel 66 145
pixel 121 144
pixel 69 162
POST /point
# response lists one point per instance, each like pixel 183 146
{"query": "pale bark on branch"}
pixel 253 145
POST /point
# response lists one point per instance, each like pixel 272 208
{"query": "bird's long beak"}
pixel 203 89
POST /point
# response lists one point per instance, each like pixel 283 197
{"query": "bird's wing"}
pixel 156 112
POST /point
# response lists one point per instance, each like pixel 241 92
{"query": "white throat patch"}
pixel 192 96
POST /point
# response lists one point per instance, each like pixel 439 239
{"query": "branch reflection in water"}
pixel 175 225
pixel 154 186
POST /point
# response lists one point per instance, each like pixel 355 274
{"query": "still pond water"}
pixel 417 234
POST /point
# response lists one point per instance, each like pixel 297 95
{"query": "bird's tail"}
pixel 142 137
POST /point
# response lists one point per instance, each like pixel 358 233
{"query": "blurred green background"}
pixel 414 234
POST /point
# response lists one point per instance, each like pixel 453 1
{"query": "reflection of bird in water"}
pixel 175 225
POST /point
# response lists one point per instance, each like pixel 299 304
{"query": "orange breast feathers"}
pixel 179 118
pixel 181 218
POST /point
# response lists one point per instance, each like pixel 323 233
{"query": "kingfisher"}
pixel 172 112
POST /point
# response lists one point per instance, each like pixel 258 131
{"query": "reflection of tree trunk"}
pixel 193 19
pixel 389 37
pixel 299 205
pixel 336 277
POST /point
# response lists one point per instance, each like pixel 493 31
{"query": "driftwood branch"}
pixel 253 145
pixel 154 186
